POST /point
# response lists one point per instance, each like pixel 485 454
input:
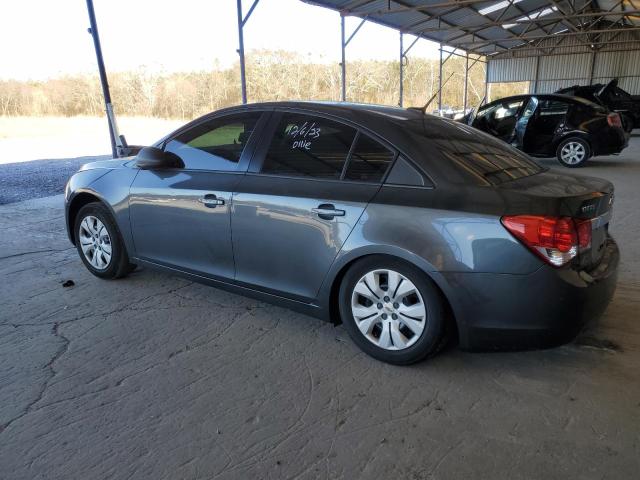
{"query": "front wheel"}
pixel 573 152
pixel 99 242
pixel 392 311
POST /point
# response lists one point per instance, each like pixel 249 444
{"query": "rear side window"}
pixel 369 160
pixel 308 146
pixel 553 107
pixel 215 145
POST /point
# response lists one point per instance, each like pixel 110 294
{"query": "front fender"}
pixel 111 187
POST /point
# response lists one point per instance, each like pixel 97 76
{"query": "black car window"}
pixel 308 146
pixel 500 111
pixel 215 145
pixel 499 119
pixel 369 160
pixel 553 107
pixel 403 173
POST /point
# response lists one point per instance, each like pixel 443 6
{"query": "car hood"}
pixel 108 164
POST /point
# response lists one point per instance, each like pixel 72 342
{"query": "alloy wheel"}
pixel 95 242
pixel 388 309
pixel 573 153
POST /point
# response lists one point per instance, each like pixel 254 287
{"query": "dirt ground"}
pixel 156 377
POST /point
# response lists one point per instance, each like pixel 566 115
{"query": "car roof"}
pixel 373 117
pixel 331 107
pixel 547 96
pixel 426 140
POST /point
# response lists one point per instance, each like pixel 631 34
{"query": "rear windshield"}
pixel 474 157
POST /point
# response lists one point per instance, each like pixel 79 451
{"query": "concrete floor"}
pixel 155 377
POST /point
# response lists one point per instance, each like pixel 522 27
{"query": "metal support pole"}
pixel 116 142
pixel 535 81
pixel 241 23
pixel 440 83
pixel 243 79
pixel 466 80
pixel 486 83
pixel 344 44
pixel 593 66
pixel 343 67
pixel 401 70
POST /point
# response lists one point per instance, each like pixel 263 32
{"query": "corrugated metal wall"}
pixel 564 70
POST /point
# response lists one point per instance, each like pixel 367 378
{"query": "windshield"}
pixel 474 157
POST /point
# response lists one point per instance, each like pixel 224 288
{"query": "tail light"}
pixel 613 119
pixel 555 239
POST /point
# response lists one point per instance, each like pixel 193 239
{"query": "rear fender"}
pixel 327 296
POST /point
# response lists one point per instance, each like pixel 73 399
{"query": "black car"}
pixel 612 97
pixel 571 128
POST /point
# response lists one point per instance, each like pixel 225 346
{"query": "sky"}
pixel 43 39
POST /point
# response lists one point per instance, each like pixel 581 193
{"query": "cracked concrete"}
pixel 157 377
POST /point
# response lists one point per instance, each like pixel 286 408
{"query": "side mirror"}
pixel 152 158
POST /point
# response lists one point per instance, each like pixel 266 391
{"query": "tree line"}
pixel 271 75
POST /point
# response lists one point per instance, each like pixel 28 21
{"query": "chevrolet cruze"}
pixel 407 228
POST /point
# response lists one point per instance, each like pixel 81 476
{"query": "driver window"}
pixel 215 145
pixel 507 110
pixel 501 119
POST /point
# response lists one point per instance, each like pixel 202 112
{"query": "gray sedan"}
pixel 407 228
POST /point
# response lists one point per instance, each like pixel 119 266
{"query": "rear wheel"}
pixel 99 243
pixel 392 311
pixel 573 152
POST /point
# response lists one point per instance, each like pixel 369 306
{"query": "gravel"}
pixel 39 178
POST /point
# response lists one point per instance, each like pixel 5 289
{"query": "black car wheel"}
pixel 99 242
pixel 392 311
pixel 573 152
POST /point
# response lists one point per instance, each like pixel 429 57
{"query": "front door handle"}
pixel 211 201
pixel 326 211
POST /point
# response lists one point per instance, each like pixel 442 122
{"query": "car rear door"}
pixel 181 217
pixel 547 122
pixel 305 190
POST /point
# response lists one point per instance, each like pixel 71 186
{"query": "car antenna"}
pixel 423 109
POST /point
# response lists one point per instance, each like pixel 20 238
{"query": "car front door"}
pixel 181 217
pixel 305 190
pixel 523 122
pixel 500 118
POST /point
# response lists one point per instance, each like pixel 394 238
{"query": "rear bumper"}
pixel 610 141
pixel 544 309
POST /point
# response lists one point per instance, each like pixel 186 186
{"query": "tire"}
pixel 401 339
pixel 96 237
pixel 573 152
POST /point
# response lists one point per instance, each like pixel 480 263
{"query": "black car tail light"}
pixel 613 119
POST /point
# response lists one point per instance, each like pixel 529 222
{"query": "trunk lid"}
pixel 578 197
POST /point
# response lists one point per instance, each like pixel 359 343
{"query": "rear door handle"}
pixel 326 211
pixel 211 201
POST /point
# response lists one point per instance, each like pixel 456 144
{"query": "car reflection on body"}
pixel 570 128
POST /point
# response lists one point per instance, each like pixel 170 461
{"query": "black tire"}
pixel 434 335
pixel 573 163
pixel 119 265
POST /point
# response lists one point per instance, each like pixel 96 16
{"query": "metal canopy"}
pixel 504 28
